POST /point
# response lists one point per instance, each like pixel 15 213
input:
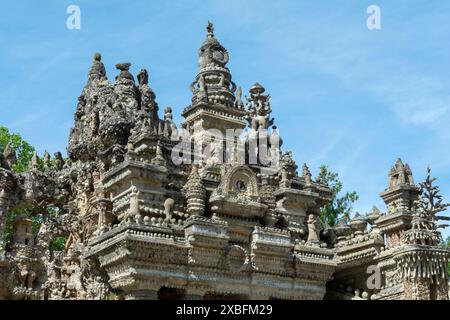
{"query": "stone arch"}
pixel 238 175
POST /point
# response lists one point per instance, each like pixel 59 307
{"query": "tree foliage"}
pixel 23 149
pixel 12 214
pixel 59 243
pixel 340 206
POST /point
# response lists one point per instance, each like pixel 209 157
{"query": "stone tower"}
pixel 399 196
pixel 214 105
pixel 23 231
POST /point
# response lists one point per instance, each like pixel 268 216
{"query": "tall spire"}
pixel 210 30
pixel 213 102
pixel 213 82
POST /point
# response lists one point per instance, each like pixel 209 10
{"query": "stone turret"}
pixel 195 194
pixel 400 197
pixel 213 101
pixel 138 221
pixel 213 82
pixel 23 231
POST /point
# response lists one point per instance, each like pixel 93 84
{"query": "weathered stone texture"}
pixel 141 225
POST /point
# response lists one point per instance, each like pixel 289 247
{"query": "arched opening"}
pixel 434 289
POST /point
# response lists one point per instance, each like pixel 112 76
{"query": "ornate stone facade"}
pixel 141 225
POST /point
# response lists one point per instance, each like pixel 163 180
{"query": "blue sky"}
pixel 342 95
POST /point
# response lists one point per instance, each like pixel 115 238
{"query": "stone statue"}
pixel 114 197
pixel 98 71
pixel 202 93
pixel 10 155
pixel 313 231
pixel 287 170
pixel 134 204
pixel 59 161
pixel 258 109
pixel 168 208
pixel 47 164
pixel 148 97
pixel 34 164
pixel 239 104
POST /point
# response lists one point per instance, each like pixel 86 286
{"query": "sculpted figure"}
pixel 168 208
pixel 239 104
pixel 47 165
pixel 313 236
pixel 258 113
pixel 59 161
pixel 202 94
pixel 34 164
pixel 10 155
pixel 98 71
pixel 148 97
pixel 287 170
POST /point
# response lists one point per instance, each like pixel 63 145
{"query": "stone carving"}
pixel 59 161
pixel 10 155
pixel 97 71
pixel 135 222
pixel 313 229
pixel 306 174
pixel 148 102
pixel 34 164
pixel 168 208
pixel 287 170
pixel 258 108
pixel 195 193
pixel 239 104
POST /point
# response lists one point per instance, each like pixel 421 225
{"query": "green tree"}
pixel 59 243
pixel 23 149
pixel 24 152
pixel 340 206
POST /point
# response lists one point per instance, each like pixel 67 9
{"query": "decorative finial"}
pixel 97 56
pixel 125 66
pixel 210 29
pixel 97 71
pixel 142 77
